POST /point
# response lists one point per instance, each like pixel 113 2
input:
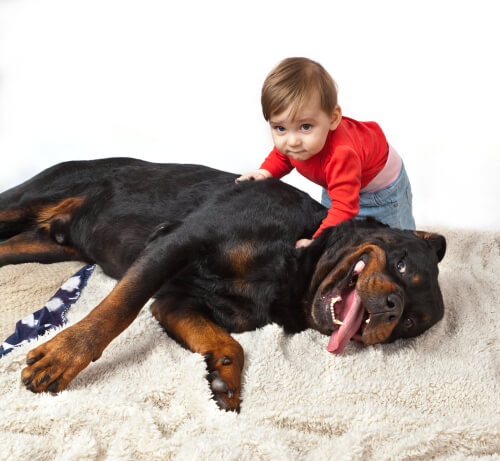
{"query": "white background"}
pixel 180 82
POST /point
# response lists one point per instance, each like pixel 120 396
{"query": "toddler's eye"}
pixel 280 129
pixel 306 126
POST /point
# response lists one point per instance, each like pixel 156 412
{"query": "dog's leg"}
pixel 13 221
pixel 38 232
pixel 54 364
pixel 224 355
pixel 32 246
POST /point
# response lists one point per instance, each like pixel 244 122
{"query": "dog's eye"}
pixel 401 266
pixel 408 323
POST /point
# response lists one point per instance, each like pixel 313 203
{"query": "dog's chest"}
pixel 245 286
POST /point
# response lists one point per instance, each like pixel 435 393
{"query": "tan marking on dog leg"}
pixel 53 365
pixel 30 247
pixel 224 355
pixel 13 215
pixel 64 210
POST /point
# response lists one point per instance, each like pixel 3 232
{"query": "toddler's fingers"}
pixel 302 243
pixel 243 177
pixel 250 177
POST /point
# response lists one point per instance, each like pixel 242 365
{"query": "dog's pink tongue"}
pixel 351 315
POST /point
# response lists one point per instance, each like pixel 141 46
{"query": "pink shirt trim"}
pixel 386 175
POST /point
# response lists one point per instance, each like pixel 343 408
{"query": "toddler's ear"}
pixel 336 118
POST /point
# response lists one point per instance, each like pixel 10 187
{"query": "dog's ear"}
pixel 436 241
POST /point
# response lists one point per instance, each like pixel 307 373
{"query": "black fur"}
pixel 196 219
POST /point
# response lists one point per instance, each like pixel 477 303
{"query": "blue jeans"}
pixel 391 205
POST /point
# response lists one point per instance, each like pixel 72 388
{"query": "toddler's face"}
pixel 304 135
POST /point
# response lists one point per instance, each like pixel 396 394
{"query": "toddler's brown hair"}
pixel 292 82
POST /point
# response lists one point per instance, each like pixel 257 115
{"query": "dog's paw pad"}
pixel 224 379
pixel 224 360
pixel 219 385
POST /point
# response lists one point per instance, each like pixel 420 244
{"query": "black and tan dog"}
pixel 218 257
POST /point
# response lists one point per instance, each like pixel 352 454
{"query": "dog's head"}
pixel 375 284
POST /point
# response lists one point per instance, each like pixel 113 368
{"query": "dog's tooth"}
pixel 332 310
pixel 335 300
pixel 367 321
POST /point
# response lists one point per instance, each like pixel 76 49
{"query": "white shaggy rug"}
pixel 434 397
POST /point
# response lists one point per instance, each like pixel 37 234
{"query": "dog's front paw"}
pixel 53 365
pixel 224 376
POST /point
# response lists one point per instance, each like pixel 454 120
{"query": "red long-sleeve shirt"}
pixel 352 156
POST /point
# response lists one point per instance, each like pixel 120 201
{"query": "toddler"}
pixel 361 174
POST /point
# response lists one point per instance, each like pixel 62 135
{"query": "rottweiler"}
pixel 217 257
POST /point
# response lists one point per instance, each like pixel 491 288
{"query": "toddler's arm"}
pixel 255 176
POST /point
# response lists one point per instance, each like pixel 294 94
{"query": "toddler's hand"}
pixel 255 176
pixel 302 243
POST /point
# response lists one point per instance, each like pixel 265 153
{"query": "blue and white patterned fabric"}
pixel 52 315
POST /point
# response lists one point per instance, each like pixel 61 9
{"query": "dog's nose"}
pixel 394 302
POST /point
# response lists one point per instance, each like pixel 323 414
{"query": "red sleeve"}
pixel 277 164
pixel 343 176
